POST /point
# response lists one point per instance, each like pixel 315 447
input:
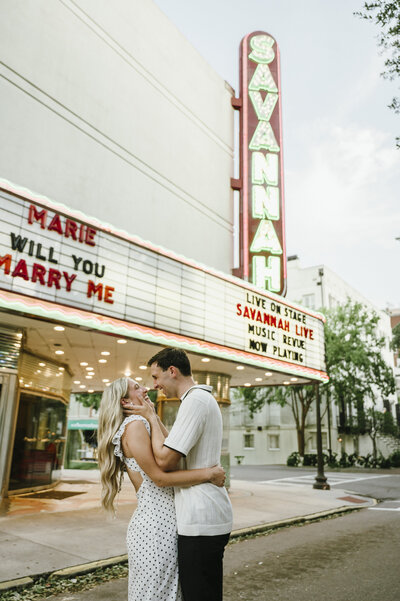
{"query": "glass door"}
pixel 39 442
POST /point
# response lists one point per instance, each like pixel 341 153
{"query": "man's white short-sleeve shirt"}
pixel 204 509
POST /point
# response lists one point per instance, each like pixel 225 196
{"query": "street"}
pixel 379 484
pixel 351 558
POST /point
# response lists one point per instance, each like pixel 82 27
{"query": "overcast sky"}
pixel 342 170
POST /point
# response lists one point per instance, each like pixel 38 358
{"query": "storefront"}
pixel 103 301
pixel 127 135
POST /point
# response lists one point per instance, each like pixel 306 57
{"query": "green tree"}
pixel 88 399
pixel 298 398
pixel 395 343
pixel 386 15
pixel 355 365
pixel 379 423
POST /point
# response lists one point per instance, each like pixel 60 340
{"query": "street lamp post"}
pixel 320 480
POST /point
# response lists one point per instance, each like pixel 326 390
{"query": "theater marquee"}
pixel 262 236
pixel 52 253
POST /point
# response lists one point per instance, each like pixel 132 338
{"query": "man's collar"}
pixel 201 386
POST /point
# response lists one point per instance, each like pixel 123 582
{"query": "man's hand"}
pixel 217 475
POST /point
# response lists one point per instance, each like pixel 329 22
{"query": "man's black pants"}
pixel 200 566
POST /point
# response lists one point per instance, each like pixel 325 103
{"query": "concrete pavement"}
pixel 45 535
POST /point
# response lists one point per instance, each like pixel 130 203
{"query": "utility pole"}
pixel 320 480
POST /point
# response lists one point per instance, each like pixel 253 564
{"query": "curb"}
pixel 84 568
pixel 16 583
pixel 312 517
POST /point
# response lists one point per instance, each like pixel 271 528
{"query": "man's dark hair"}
pixel 172 357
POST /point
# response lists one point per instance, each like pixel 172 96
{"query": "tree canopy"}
pixel 355 363
pixel 386 15
pixel 395 344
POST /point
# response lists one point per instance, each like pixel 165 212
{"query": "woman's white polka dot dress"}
pixel 152 536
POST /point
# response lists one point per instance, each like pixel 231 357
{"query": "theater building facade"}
pixel 117 221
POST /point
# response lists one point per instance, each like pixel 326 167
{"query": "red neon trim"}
pixel 87 317
pixel 245 150
pixel 282 190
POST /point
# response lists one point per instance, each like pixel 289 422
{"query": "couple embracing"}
pixel 177 535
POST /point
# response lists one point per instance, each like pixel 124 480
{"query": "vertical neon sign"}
pixel 262 234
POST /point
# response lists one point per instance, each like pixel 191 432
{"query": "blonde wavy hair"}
pixel 110 419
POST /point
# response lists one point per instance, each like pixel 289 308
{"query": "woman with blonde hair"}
pixel 152 533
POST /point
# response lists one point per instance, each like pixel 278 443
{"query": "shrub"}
pixel 294 459
pixel 344 460
pixel 384 462
pixel 310 459
pixel 395 458
pixel 331 461
pixel 365 460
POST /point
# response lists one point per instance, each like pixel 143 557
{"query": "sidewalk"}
pixel 40 535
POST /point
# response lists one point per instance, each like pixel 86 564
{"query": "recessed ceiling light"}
pixel 293 379
pixel 206 360
pixel 82 386
pixel 61 368
pixel 127 373
pixel 286 382
pixel 90 369
pixel 239 367
pixel 247 384
pixel 59 328
pixel 89 377
pixel 38 371
pixel 121 341
pixel 108 384
pixel 77 381
pixel 268 374
pixel 258 379
pixel 139 379
pixel 42 364
pixel 105 380
pixel 27 385
pixel 142 366
pixel 102 360
pixel 105 353
pixel 59 352
pixel 83 363
pixel 90 390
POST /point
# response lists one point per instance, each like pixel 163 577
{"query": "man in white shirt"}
pixel 204 512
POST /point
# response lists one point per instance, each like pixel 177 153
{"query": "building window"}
pixel 314 441
pixel 309 301
pixel 249 441
pixel 273 442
